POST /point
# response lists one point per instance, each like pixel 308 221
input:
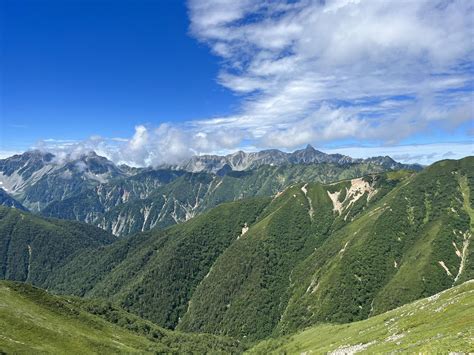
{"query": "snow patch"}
pixel 313 286
pixel 29 262
pixel 304 189
pixel 344 248
pixel 463 255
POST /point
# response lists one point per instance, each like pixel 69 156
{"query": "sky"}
pixel 146 82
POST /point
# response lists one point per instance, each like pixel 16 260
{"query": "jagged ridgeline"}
pixel 36 178
pixel 124 200
pixel 8 201
pixel 312 253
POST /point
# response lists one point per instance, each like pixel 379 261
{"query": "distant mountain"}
pixel 244 161
pixel 161 198
pixel 313 253
pixel 8 201
pixel 125 200
pixel 37 178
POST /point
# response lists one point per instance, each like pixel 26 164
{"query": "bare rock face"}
pixel 244 161
pixel 36 178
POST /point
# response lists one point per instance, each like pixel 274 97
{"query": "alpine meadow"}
pixel 237 177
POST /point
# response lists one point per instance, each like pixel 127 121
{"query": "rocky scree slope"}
pixel 36 178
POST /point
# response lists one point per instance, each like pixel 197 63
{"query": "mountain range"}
pixel 244 161
pixel 252 259
pixel 126 200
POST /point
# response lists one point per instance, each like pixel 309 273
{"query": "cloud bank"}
pixel 377 72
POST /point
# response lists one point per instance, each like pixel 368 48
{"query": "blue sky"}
pixel 72 69
pixel 146 82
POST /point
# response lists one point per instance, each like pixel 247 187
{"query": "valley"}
pixel 237 177
pixel 263 256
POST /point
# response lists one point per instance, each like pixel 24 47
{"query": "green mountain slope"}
pixel 291 271
pixel 155 274
pixel 247 291
pixel 439 324
pixel 32 247
pixel 413 243
pixel 33 321
pixel 313 253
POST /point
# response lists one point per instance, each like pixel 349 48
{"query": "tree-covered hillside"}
pixel 413 243
pixel 267 266
pixel 156 273
pixel 313 253
pixel 31 247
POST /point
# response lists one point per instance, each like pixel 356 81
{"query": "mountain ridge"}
pixel 314 252
pixel 267 266
pixel 241 160
pixel 125 200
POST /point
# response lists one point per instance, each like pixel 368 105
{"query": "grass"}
pixel 439 324
pixel 34 322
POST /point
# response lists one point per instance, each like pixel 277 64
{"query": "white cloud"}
pixel 149 146
pixel 415 153
pixel 295 61
pixel 321 72
pixel 8 153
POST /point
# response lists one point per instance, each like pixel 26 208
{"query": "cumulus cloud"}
pixel 321 72
pixel 315 71
pixel 148 146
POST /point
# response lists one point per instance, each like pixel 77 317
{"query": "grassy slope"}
pixel 438 324
pixel 33 321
